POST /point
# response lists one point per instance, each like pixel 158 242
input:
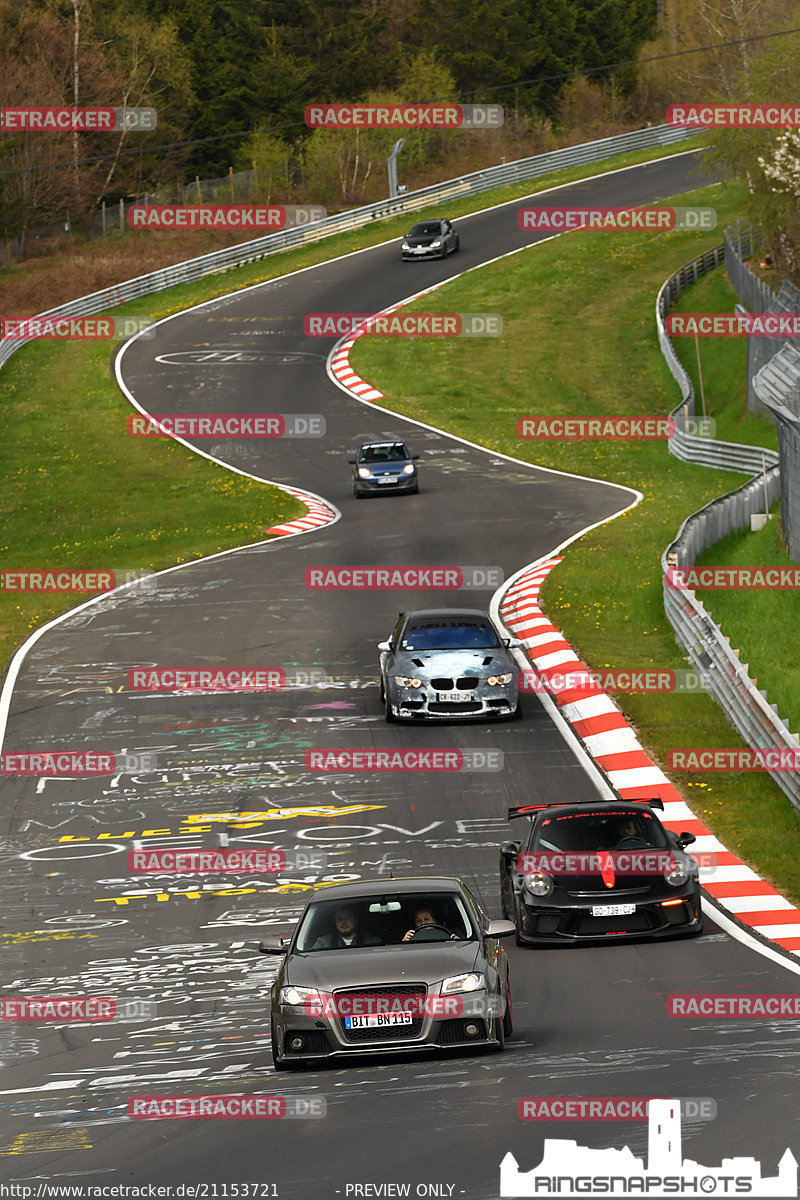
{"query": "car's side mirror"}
pixel 384 647
pixel 276 943
pixel 510 849
pixel 500 929
pixel 686 839
pixel 415 457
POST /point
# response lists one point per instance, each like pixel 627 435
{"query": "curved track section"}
pixel 230 770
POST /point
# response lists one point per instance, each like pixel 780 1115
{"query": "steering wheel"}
pixel 423 933
pixel 632 842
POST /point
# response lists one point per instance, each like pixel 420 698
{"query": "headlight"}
pixel 436 244
pixel 364 473
pixel 405 246
pixel 299 995
pixel 404 681
pixel 677 875
pixel 462 983
pixel 538 884
pixel 409 469
pixel 497 680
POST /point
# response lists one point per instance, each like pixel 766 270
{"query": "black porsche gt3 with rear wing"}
pixel 596 871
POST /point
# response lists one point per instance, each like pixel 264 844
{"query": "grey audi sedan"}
pixel 445 663
pixel 389 965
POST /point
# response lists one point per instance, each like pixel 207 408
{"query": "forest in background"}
pixel 230 82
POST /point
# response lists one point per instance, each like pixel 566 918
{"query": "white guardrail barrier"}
pixel 356 218
pixel 727 679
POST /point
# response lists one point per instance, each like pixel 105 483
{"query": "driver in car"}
pixel 628 835
pixel 423 916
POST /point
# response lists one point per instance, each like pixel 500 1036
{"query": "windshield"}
pixel 612 829
pixel 390 452
pixel 426 229
pixel 382 920
pixel 455 635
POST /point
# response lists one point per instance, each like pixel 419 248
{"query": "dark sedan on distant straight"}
pixel 445 663
pixel 383 468
pixel 430 239
pixel 598 871
pixel 389 965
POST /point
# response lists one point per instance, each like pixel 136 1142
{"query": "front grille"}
pixel 454 706
pixel 615 895
pixel 465 683
pixel 389 1033
pixel 451 1033
pixel 598 926
pixel 314 1042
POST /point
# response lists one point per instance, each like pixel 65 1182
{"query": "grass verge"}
pixel 79 493
pixel 579 337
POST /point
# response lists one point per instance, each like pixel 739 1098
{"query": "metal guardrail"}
pixel 744 704
pixel 777 386
pixel 708 452
pixel 467 185
pixel 756 296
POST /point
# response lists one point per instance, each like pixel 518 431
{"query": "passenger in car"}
pixel 347 932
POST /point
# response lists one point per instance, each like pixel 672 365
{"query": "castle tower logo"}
pixel 568 1169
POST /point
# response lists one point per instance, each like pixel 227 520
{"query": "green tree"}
pixel 767 159
pixel 268 156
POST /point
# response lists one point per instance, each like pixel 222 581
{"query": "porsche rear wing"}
pixel 530 810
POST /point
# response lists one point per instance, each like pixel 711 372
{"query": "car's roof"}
pixel 449 612
pixel 407 884
pixel 383 442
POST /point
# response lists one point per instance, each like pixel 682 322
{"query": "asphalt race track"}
pixel 588 1021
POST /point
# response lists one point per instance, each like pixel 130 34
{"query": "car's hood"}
pixel 456 662
pixel 385 468
pixel 381 965
pixel 423 241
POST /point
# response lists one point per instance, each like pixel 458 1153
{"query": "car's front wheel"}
pixel 387 709
pixel 508 1016
pixel 516 917
pixel 499 1027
